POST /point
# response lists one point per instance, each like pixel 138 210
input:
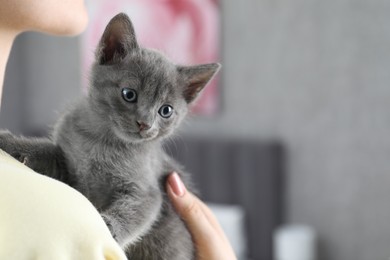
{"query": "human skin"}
pixel 31 215
pixel 57 17
pixel 209 238
pixel 67 18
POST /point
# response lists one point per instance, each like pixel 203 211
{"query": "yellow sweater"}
pixel 41 218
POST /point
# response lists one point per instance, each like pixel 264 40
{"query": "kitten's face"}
pixel 139 93
pixel 140 97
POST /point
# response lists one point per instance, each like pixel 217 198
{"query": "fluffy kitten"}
pixel 108 146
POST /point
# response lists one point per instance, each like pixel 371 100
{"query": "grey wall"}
pixel 314 74
pixel 42 77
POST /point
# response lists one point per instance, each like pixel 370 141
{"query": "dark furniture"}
pixel 246 173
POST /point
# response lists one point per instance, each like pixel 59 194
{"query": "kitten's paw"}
pixel 24 159
pixel 21 157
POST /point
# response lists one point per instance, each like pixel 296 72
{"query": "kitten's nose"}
pixel 143 126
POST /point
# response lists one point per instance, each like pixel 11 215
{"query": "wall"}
pixel 316 75
pixel 42 77
pixel 311 73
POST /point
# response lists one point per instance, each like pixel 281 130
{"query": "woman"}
pixel 41 218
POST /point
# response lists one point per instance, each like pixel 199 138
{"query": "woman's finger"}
pixel 210 240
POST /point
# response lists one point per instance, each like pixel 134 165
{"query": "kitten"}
pixel 108 146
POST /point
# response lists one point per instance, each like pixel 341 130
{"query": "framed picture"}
pixel 187 31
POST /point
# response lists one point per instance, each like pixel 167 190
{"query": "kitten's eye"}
pixel 165 111
pixel 129 95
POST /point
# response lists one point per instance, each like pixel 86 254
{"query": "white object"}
pixel 231 218
pixel 41 218
pixel 295 242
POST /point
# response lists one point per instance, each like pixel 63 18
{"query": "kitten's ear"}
pixel 196 78
pixel 117 40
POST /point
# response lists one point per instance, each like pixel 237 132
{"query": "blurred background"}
pixel 304 86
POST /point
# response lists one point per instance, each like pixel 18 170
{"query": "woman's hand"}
pixel 210 240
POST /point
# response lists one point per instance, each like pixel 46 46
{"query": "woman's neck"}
pixel 6 40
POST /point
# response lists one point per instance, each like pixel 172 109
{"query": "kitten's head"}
pixel 137 92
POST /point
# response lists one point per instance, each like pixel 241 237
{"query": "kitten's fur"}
pixel 110 149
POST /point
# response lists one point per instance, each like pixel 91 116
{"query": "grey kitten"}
pixel 108 146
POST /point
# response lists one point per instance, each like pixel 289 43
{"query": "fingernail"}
pixel 176 184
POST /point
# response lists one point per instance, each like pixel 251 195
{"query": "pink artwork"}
pixel 187 31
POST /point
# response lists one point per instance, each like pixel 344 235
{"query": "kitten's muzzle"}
pixel 143 126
